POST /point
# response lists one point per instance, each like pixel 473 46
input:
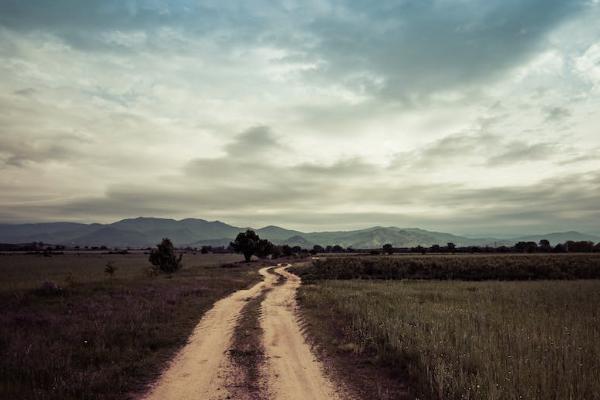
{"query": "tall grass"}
pixel 471 340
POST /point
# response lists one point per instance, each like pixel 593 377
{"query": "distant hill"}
pixel 378 236
pixel 143 231
pixel 559 237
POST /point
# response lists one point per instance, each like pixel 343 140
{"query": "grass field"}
pixel 467 340
pixel 89 336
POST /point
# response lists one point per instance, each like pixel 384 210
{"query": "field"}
pixel 89 336
pixel 459 267
pixel 463 339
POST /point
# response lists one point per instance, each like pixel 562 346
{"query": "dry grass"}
pixel 97 337
pixel 472 340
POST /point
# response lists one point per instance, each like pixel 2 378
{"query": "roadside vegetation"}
pixel 101 326
pixel 461 339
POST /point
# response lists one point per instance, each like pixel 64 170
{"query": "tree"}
pixel 286 250
pixel 560 248
pixel 451 247
pixel 163 257
pixel 526 247
pixel 420 249
pixel 317 249
pixel 579 247
pixel 337 249
pixel 276 252
pixel 264 248
pixel 388 248
pixel 205 249
pixel 246 243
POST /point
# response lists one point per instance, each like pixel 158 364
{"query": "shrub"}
pixel 164 258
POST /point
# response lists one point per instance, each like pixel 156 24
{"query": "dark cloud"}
pixel 415 47
pixel 517 152
pixel 424 46
pixel 477 149
pixel 25 92
pixel 19 153
pixel 255 141
pixel 557 113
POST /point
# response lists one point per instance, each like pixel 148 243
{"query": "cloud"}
pixel 517 152
pixel 557 113
pixel 253 142
pixel 418 47
pixel 569 202
pixel 475 149
pixel 396 49
pixel 334 112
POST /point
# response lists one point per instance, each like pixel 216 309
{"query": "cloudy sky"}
pixel 469 116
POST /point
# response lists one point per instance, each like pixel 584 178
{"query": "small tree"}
pixel 205 249
pixel 110 269
pixel 545 245
pixel 246 243
pixel 164 258
pixel 388 248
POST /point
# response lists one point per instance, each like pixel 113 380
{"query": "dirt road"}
pixel 198 370
pixel 293 373
pixel 202 370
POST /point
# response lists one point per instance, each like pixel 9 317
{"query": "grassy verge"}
pixel 468 340
pixel 100 338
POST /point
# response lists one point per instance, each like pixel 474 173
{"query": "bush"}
pixel 164 258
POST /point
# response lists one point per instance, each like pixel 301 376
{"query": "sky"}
pixel 466 116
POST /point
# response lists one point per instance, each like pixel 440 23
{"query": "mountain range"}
pixel 143 231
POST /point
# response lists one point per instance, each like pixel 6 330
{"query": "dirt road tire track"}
pixel 293 372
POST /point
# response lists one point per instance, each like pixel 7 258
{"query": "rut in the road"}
pixel 292 370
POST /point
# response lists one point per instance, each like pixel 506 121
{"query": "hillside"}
pixel 143 231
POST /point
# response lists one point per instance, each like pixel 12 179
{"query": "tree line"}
pixel 249 244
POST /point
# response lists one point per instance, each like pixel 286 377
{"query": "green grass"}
pixel 468 340
pixel 100 337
